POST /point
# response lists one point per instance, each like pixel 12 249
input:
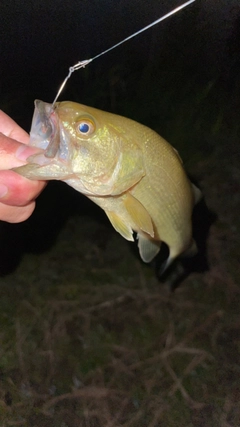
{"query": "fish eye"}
pixel 85 127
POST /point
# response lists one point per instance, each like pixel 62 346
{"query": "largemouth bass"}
pixel 127 169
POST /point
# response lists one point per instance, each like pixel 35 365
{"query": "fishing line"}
pixel 82 64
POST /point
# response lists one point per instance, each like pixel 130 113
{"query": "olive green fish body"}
pixel 126 168
pixel 164 191
pixel 167 194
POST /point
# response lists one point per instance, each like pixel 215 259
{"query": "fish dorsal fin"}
pixel 148 249
pixel 139 214
pixel 120 226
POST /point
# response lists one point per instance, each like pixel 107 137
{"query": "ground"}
pixel 90 336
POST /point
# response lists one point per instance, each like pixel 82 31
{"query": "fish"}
pixel 123 166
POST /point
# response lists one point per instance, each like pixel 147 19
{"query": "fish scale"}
pixel 126 168
pixel 170 211
pixel 129 170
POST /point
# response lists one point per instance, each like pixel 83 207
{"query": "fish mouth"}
pixel 47 134
pixel 45 129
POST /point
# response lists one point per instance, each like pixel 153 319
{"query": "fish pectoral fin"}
pixel 120 226
pixel 197 194
pixel 139 214
pixel 148 249
pixel 191 251
pixel 177 153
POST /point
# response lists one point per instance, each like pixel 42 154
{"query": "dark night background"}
pixel 89 337
pixel 180 77
pixel 41 39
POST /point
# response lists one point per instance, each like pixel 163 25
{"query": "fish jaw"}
pixel 47 135
pixel 37 170
pixel 100 164
pixel 42 127
pixel 60 157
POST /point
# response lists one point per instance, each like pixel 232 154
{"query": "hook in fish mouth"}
pixel 46 132
pixel 54 141
pixel 46 135
pixel 45 129
pixel 51 162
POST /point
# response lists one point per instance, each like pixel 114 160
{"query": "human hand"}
pixel 17 194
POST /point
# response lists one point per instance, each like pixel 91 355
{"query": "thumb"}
pixel 13 153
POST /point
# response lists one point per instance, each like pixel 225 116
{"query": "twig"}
pixel 191 402
pixel 84 393
pixel 203 326
pixel 111 303
pixel 195 362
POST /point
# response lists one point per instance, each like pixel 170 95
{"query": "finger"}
pixel 17 190
pixel 13 153
pixel 15 214
pixel 10 128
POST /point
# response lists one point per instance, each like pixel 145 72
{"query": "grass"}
pixel 89 336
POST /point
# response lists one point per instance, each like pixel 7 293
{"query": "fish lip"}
pixel 48 118
pixel 47 133
pixel 54 141
pixel 41 125
pixel 41 159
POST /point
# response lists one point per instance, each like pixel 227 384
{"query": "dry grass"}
pixel 90 338
pixel 142 357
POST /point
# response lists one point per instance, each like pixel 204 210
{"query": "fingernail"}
pixel 23 152
pixel 3 190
